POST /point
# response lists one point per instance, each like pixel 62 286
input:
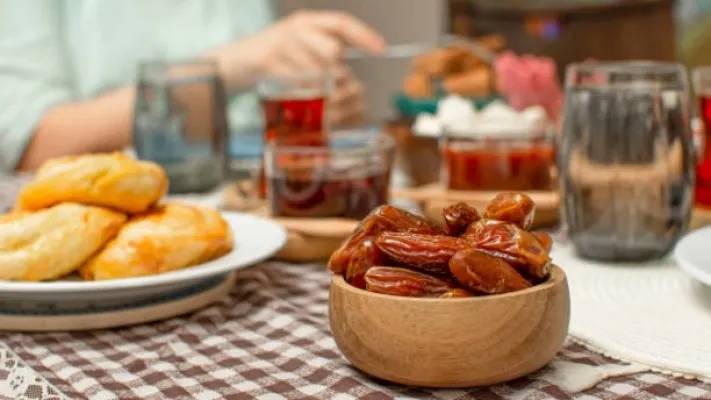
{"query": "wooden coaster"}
pixel 310 240
pixel 433 198
pixel 174 304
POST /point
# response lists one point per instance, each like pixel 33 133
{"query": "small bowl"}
pixel 442 343
pixel 520 162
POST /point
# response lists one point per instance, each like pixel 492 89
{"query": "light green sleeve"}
pixel 33 76
pixel 244 111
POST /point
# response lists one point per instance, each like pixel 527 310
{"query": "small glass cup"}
pixel 702 86
pixel 347 179
pixel 524 161
pixel 626 159
pixel 180 122
pixel 294 109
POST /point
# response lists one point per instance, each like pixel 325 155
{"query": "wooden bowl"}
pixel 450 342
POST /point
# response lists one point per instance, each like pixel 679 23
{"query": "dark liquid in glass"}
pixel 703 168
pixel 293 122
pixel 327 191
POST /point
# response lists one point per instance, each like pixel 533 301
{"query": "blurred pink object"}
pixel 528 81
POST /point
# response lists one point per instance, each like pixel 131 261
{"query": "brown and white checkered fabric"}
pixel 268 340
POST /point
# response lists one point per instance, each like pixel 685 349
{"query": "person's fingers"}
pixel 347 28
pixel 347 115
pixel 347 92
pixel 323 48
pixel 299 57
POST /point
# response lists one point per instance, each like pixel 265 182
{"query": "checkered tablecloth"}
pixel 268 340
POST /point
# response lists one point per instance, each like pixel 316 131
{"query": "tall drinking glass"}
pixel 702 87
pixel 294 109
pixel 180 122
pixel 626 159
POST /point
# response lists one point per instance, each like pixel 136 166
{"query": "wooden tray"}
pixel 310 240
pixel 314 240
pixel 174 304
pixel 433 198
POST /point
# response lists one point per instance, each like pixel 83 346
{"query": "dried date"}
pixel 513 207
pixel 457 218
pixel 382 219
pixel 403 282
pixel 365 256
pixel 544 239
pixel 430 253
pixel 484 273
pixel 509 242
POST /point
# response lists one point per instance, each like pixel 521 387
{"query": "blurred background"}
pixel 566 30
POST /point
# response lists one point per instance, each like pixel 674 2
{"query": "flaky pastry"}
pixel 110 180
pixel 169 237
pixel 51 243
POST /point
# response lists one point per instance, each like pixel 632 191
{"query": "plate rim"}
pixel 687 266
pixel 173 277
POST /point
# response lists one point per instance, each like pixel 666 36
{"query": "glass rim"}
pixel 375 142
pixel 326 75
pixel 627 66
pixel 157 69
pixel 533 134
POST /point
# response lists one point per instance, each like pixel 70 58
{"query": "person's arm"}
pixel 101 124
pixel 38 119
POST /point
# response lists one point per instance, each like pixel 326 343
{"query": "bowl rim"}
pixel 557 277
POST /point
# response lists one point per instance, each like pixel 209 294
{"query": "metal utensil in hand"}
pixel 410 50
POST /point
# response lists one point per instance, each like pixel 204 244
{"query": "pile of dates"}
pixel 397 253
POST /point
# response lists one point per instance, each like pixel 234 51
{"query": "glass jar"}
pixel 524 161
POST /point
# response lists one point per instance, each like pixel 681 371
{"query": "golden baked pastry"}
pixel 170 237
pixel 109 180
pixel 51 243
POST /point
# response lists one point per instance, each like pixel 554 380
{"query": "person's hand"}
pixel 303 41
pixel 347 101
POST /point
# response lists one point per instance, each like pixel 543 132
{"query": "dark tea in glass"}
pixel 703 167
pixel 294 110
pixel 347 179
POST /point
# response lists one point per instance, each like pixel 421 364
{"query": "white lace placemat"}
pixel 19 381
pixel 651 314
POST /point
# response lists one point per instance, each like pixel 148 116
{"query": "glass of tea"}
pixel 346 179
pixel 626 159
pixel 702 86
pixel 294 109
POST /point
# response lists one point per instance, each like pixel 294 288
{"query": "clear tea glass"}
pixel 346 179
pixel 294 109
pixel 702 87
pixel 626 159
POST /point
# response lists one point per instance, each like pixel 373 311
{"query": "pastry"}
pixel 110 180
pixel 51 243
pixel 169 237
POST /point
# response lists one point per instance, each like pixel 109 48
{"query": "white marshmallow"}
pixel 455 111
pixel 427 125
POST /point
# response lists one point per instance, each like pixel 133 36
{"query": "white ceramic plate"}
pixel 256 239
pixel 692 254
